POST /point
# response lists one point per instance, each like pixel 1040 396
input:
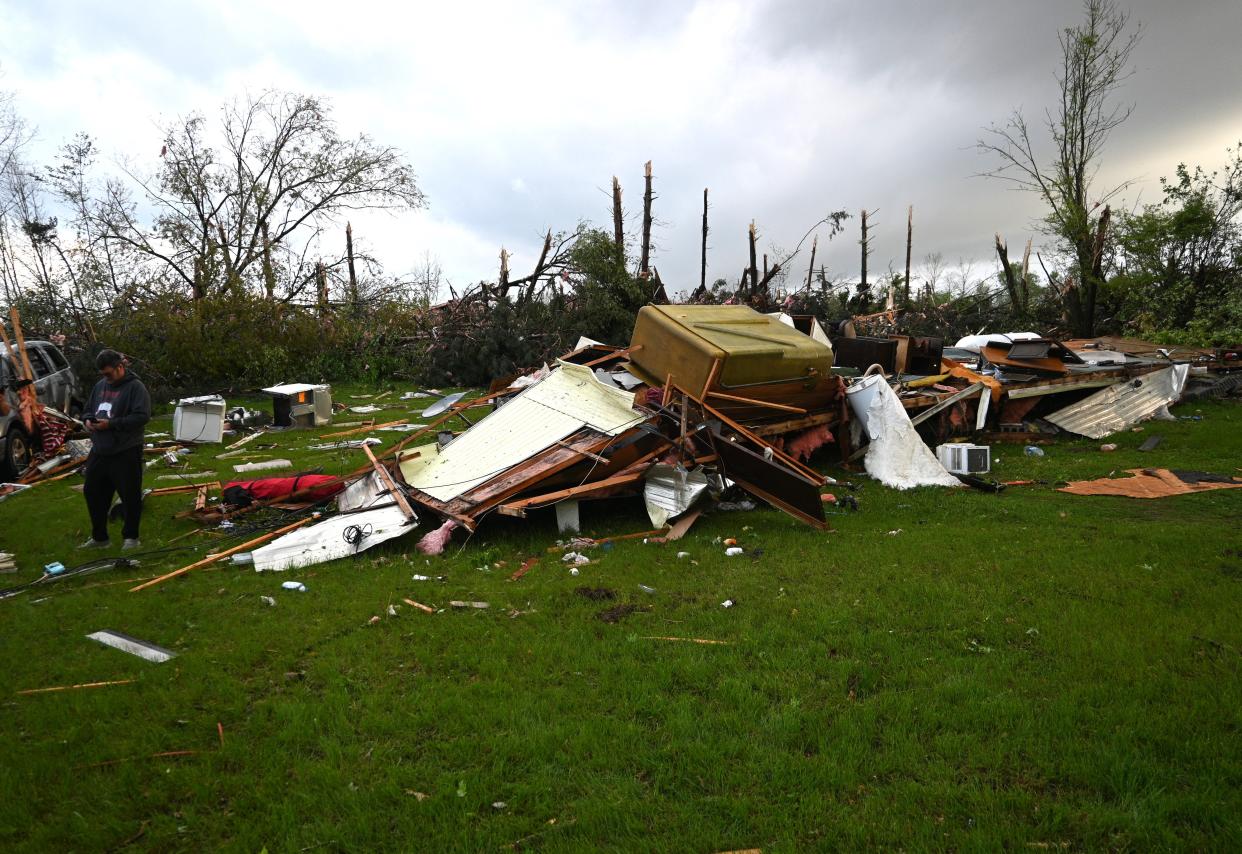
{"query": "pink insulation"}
pixel 433 542
pixel 804 444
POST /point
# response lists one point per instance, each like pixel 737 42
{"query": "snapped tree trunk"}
pixel 810 270
pixel 862 281
pixel 645 259
pixel 909 245
pixel 617 228
pixel 754 265
pixel 703 262
pixel 1011 284
pixel 349 258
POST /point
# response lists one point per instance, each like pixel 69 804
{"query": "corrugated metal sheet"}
pixel 670 490
pixel 1121 405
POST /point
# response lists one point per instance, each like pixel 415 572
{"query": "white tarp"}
pixel 570 398
pixel 975 343
pixel 327 541
pixel 897 456
pixel 1122 405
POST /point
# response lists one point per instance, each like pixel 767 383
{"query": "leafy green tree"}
pixel 1181 258
pixel 238 204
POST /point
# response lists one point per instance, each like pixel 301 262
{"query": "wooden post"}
pixel 703 263
pixel 909 245
pixel 393 489
pixel 862 282
pixel 810 270
pixel 349 258
pixel 618 231
pixel 754 267
pixel 645 259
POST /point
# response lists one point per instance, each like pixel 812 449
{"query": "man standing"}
pixel 115 415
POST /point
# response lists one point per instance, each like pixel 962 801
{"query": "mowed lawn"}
pixel 947 669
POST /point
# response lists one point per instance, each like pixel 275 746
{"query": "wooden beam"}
pixel 518 508
pixel 342 434
pixel 386 477
pixel 776 452
pixel 797 410
pixel 212 558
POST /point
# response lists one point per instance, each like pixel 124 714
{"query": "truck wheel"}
pixel 16 453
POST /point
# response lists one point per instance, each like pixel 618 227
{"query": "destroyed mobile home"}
pixel 704 399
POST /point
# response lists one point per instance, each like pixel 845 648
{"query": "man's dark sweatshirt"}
pixel 126 406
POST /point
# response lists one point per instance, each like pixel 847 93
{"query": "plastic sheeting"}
pixel 897 456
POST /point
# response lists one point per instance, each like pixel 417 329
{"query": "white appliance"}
pixel 199 419
pixel 964 458
pixel 301 405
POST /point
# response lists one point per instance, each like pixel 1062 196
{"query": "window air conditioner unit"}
pixel 963 458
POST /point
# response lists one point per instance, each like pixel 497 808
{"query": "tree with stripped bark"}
pixel 1095 61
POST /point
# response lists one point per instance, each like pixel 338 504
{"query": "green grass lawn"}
pixel 1032 670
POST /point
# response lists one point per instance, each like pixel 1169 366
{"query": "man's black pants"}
pixel 119 473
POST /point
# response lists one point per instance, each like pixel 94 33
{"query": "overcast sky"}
pixel 516 115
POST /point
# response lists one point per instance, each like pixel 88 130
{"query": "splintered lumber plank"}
pixel 20 338
pixel 711 377
pixel 21 361
pixel 185 487
pixel 796 410
pixel 686 640
pixel 529 473
pixel 212 558
pixel 243 440
pixel 437 506
pixel 956 369
pixel 427 609
pixel 35 476
pixel 776 452
pixel 518 508
pixel 76 687
pixel 946 402
pixel 364 429
pixel 615 354
pixel 386 477
pixel 813 420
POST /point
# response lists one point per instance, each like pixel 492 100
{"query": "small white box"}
pixel 199 419
pixel 964 458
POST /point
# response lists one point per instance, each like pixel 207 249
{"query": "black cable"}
pixel 355 534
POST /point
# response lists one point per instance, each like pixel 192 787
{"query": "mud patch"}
pixel 596 594
pixel 620 612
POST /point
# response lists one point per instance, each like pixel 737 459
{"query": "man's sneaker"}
pixel 93 543
pixel 130 544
